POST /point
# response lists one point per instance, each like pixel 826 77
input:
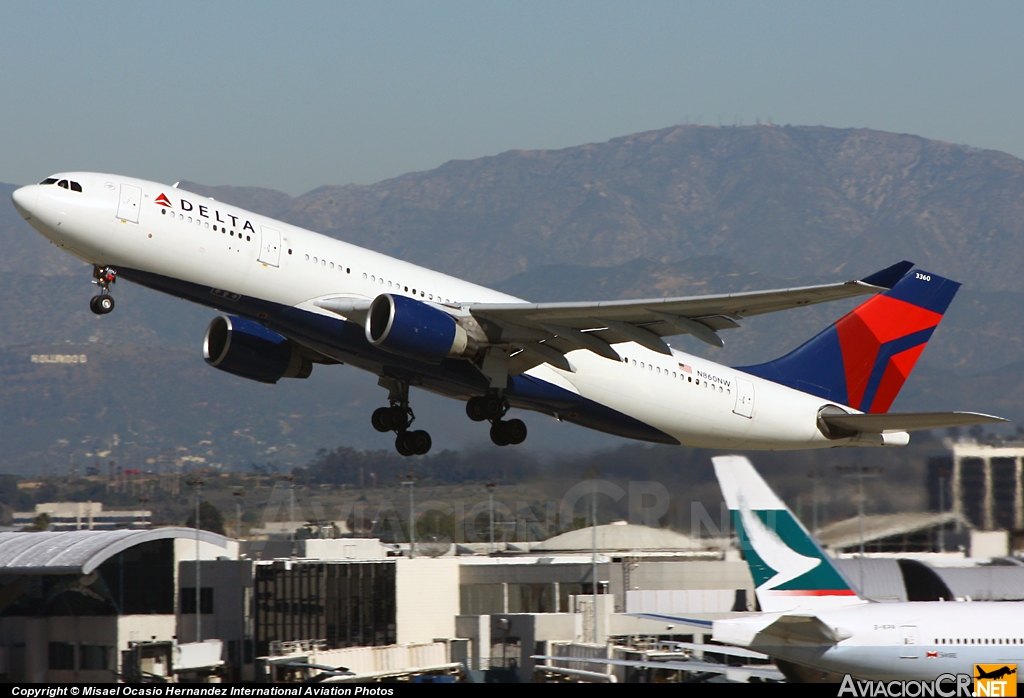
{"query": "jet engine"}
pixel 409 327
pixel 248 349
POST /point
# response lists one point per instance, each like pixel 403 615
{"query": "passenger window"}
pixel 63 184
pixel 75 186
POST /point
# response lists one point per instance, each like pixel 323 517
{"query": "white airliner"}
pixel 295 298
pixel 813 616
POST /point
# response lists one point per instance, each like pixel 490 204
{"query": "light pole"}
pixel 238 494
pixel 815 477
pixel 411 484
pixel 860 472
pixel 196 484
pixel 490 499
pixel 142 515
pixel 943 473
pixel 291 504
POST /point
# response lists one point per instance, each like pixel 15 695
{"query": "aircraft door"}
pixel 128 204
pixel 270 247
pixel 908 642
pixel 744 398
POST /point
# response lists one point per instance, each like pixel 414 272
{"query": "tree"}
pixel 210 519
pixel 40 523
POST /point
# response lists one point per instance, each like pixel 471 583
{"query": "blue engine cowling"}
pixel 248 349
pixel 406 326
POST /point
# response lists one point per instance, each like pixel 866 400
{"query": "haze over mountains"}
pixel 680 211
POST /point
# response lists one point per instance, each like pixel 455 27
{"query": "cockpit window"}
pixel 75 186
pixel 49 180
pixel 63 184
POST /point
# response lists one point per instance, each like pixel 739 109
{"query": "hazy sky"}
pixel 297 95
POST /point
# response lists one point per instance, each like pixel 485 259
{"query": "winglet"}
pixel 890 276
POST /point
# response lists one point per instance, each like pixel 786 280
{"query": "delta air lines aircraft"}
pixel 293 298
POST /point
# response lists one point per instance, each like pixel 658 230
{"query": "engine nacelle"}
pixel 248 349
pixel 412 328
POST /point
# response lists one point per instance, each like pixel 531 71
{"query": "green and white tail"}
pixel 789 568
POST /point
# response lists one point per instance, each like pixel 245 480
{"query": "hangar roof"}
pixel 620 536
pixel 845 534
pixel 80 552
pixel 984 582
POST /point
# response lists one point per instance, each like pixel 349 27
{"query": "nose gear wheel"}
pixel 103 277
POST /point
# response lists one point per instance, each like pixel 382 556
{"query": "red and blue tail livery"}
pixel 864 359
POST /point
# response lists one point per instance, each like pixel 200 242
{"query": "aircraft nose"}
pixel 25 199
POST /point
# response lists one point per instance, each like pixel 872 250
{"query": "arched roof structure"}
pixel 80 552
pixel 620 536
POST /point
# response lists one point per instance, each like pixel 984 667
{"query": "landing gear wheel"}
pixel 499 435
pixel 101 305
pixel 403 445
pixel 515 430
pixel 492 406
pixel 488 406
pixel 381 419
pixel 398 418
pixel 419 441
pixel 508 433
pixel 474 410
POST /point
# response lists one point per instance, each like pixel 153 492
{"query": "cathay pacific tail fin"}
pixel 789 568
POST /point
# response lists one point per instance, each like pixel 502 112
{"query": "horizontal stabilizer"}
pixel 801 629
pixel 909 421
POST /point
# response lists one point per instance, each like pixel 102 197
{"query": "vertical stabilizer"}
pixel 789 568
pixel 863 359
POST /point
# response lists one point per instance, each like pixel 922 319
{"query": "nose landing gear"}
pixel 103 277
pixel 398 417
pixel 493 407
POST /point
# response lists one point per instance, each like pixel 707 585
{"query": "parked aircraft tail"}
pixel 789 568
pixel 863 359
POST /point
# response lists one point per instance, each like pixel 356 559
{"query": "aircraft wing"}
pixel 675 620
pixel 558 328
pixel 739 673
pixel 908 421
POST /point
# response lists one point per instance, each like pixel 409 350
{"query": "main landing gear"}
pixel 398 417
pixel 492 407
pixel 103 277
